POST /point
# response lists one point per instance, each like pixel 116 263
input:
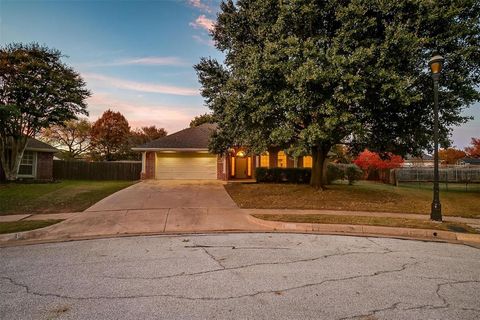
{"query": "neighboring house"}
pixel 185 155
pixel 424 161
pixel 469 162
pixel 37 161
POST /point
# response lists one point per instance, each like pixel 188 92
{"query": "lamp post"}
pixel 436 64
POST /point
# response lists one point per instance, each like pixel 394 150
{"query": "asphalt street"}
pixel 240 276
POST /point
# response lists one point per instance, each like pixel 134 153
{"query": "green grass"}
pixel 363 196
pixel 65 196
pixel 364 220
pixel 19 226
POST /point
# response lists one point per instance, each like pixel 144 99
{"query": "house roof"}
pixel 471 160
pixel 424 157
pixel 37 145
pixel 196 138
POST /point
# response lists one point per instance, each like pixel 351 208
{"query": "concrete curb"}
pixel 364 230
pixel 28 237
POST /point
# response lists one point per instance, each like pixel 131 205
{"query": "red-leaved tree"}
pixel 109 135
pixel 371 162
pixel 474 150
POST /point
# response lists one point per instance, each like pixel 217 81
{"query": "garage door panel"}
pixel 186 166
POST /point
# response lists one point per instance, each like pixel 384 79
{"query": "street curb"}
pixel 364 230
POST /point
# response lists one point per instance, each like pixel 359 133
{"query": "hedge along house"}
pixel 185 155
pixel 36 163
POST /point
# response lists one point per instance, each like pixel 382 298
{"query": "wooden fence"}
pixel 83 170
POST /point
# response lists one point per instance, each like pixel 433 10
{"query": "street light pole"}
pixel 436 64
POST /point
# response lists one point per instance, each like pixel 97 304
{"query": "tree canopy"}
pixel 451 155
pixel 474 149
pixel 72 138
pixel 201 119
pixel 306 75
pixel 110 134
pixel 37 90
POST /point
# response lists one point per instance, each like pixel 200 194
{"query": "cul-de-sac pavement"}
pixel 240 276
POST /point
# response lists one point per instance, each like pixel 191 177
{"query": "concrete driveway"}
pixel 165 194
pixel 151 207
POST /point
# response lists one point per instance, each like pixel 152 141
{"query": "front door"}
pixel 241 168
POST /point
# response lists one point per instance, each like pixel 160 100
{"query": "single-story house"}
pixel 185 155
pixel 37 161
pixel 424 161
pixel 469 162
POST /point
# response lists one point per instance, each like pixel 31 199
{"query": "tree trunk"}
pixel 319 167
pixel 11 150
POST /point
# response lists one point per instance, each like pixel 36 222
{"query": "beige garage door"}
pixel 186 166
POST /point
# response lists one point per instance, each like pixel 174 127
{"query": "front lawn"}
pixel 363 196
pixel 370 221
pixel 19 226
pixel 64 196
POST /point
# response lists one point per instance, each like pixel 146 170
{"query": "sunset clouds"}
pixel 95 78
pixel 203 22
pixel 140 113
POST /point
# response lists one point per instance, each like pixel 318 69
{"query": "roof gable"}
pixel 37 145
pixel 189 138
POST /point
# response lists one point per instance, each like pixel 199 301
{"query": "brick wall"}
pixel 221 175
pixel 149 166
pixel 44 166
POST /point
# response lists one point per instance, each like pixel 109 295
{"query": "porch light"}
pixel 241 154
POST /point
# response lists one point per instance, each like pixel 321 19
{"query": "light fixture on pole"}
pixel 436 65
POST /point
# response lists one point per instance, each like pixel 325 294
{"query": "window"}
pixel 27 164
pixel 307 162
pixel 265 160
pixel 281 160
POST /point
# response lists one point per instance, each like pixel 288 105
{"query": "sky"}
pixel 136 56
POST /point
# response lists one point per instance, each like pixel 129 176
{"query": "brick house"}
pixel 37 161
pixel 185 155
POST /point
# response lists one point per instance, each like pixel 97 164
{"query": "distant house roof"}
pixel 424 157
pixel 196 138
pixel 37 145
pixel 475 161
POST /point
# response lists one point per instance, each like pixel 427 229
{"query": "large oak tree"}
pixel 305 75
pixel 37 90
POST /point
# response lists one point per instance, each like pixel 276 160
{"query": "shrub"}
pixel 353 173
pixel 334 172
pixel 283 175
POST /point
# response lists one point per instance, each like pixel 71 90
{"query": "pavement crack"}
pixel 372 312
pixel 213 258
pixel 223 268
pixel 445 304
pixel 237 248
pixel 199 298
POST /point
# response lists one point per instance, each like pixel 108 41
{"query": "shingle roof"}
pixel 423 157
pixel 190 138
pixel 36 145
pixel 471 160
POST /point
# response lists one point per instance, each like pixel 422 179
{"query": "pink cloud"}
pixel 139 86
pixel 200 5
pixel 201 40
pixel 203 22
pixel 138 114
